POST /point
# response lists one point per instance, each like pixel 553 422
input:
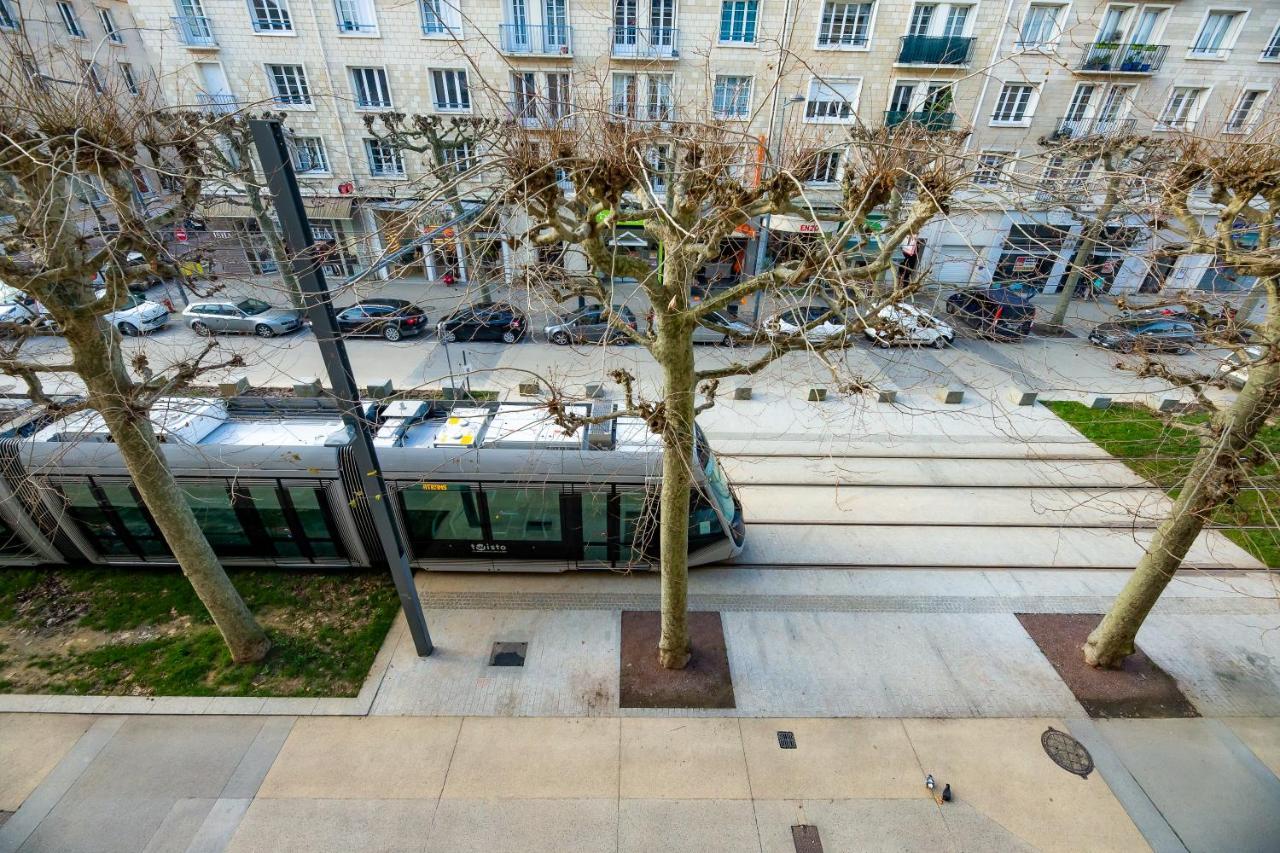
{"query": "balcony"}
pixel 1106 57
pixel 541 115
pixel 927 119
pixel 935 50
pixel 643 42
pixel 662 114
pixel 218 102
pixel 525 40
pixel 1078 128
pixel 195 31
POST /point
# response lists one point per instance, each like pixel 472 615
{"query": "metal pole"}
pixel 268 137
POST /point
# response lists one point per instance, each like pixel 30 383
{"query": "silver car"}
pixel 246 317
pixel 742 332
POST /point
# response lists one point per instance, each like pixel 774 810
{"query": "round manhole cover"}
pixel 1067 752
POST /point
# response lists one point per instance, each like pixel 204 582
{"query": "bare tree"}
pixel 1244 181
pixel 51 137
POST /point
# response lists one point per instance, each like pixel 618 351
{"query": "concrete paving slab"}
pixel 363 758
pixel 833 759
pixel 219 826
pixel 524 826
pixel 333 826
pixel 871 825
pixel 871 470
pixel 179 827
pixel 31 745
pixel 99 824
pixel 1262 736
pixel 1228 666
pixel 258 759
pixel 1000 769
pixel 683 759
pixel 687 826
pixel 553 757
pixel 1211 798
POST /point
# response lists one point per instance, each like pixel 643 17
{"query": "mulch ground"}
pixel 642 682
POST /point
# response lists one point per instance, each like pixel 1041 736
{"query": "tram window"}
pixel 219 520
pixel 275 525
pixel 704 523
pixel 136 520
pixel 313 515
pixel 444 514
pixel 83 507
pixel 595 526
pixel 631 512
pixel 524 515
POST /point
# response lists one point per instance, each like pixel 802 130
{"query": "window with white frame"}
pixel 1041 25
pixel 449 90
pixel 88 189
pixel 524 94
pixel 94 76
pixel 1015 104
pixel 9 19
pixel 370 88
pixel 845 24
pixel 1272 50
pixel 658 165
pixel 623 95
pixel 660 102
pixel 130 81
pixel 309 155
pixel 559 102
pixel 356 17
pixel 731 97
pixel 832 100
pixel 1182 108
pixel 384 159
pixel 1217 34
pixel 270 16
pixel 460 158
pixel 70 20
pixel 643 96
pixel 109 26
pixel 940 20
pixel 738 21
pixel 440 17
pixel 289 85
pixel 1241 117
pixel 992 168
pixel 822 167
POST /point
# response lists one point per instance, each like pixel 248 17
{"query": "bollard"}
pixel 530 389
pixel 950 396
pixel 308 387
pixel 817 394
pixel 379 389
pixel 1019 397
pixel 236 386
pixel 1100 403
pixel 742 392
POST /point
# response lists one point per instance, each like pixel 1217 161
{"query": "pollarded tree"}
pixel 1244 177
pixel 54 136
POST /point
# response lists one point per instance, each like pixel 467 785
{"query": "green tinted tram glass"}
pixel 445 514
pixel 524 515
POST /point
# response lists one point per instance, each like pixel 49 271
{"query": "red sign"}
pixel 346 188
pixel 180 234
pixel 810 228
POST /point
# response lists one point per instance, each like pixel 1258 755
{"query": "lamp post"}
pixel 762 240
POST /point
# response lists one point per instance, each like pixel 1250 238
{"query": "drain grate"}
pixel 1067 752
pixel 787 740
pixel 508 654
pixel 806 839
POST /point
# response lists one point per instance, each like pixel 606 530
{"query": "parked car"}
pixel 995 312
pixel 247 317
pixel 1152 335
pixel 136 315
pixel 704 334
pixel 590 324
pixel 484 321
pixel 19 309
pixel 134 262
pixel 392 319
pixel 901 323
pixel 824 325
pixel 1219 321
pixel 1235 367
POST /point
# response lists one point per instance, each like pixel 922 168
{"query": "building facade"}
pixel 793 72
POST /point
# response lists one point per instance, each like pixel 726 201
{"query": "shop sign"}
pixel 1024 263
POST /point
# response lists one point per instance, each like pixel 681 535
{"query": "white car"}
pixel 901 323
pixel 825 324
pixel 137 315
pixel 19 309
pixel 1235 367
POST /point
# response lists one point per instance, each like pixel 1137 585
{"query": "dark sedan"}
pixel 392 319
pixel 1151 335
pixel 996 312
pixel 484 321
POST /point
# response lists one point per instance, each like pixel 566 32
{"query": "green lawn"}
pixel 144 632
pixel 1162 453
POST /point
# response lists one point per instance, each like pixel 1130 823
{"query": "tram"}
pixel 273 482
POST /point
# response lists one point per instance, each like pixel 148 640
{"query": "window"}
pixel 1181 110
pixel 130 82
pixel 822 167
pixel 1014 105
pixel 661 104
pixel 440 17
pixel 9 19
pixel 992 167
pixel 1272 50
pixel 1040 27
pixel 940 20
pixel 559 102
pixel 270 16
pixel 1239 119
pixel 845 25
pixel 289 85
pixel 94 77
pixel 921 17
pixel 356 17
pixel 370 88
pixel 70 21
pixel 384 158
pixel 449 88
pixel 1217 35
pixel 658 163
pixel 738 21
pixel 309 154
pixel 109 26
pixel 832 100
pixel 460 158
pixel 732 97
pixel 622 100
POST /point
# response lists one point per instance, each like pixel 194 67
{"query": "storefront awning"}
pixel 237 207
pixel 800 225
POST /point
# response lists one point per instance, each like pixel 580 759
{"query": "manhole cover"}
pixel 1067 752
pixel 787 740
pixel 508 654
pixel 806 839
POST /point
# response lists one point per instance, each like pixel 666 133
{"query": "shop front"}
pixel 234 242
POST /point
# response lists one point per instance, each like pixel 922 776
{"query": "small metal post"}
pixel 268 137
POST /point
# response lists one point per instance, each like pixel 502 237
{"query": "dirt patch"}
pixel 1139 688
pixel 642 682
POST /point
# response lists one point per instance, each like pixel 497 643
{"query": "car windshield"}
pixel 253 306
pixel 130 301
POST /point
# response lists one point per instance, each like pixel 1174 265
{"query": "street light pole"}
pixel 762 239
pixel 268 137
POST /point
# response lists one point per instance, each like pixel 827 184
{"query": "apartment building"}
pixel 794 72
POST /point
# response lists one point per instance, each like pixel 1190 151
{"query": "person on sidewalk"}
pixel 449 280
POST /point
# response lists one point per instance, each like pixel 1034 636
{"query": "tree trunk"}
pixel 1088 239
pixel 675 354
pixel 1214 478
pixel 99 362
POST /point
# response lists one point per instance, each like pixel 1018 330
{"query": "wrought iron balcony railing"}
pixel 1110 57
pixel 1077 128
pixel 529 40
pixel 643 42
pixel 935 50
pixel 195 31
pixel 928 119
